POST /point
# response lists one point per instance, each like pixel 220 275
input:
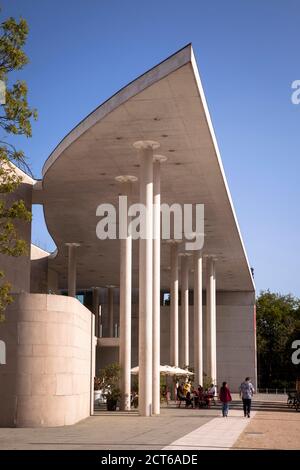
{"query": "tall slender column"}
pixel 125 296
pixel 174 305
pixel 185 309
pixel 198 330
pixel 211 348
pixel 72 248
pixel 96 302
pixel 110 301
pixel 158 159
pixel 145 151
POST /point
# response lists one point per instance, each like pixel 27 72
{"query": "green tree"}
pixel 278 325
pixel 15 120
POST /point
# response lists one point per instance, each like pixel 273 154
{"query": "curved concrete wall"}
pixel 46 380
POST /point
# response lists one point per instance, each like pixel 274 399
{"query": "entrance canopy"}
pixel 167 105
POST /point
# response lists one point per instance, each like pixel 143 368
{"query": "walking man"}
pixel 246 393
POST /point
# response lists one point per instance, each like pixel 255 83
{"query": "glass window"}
pixel 80 297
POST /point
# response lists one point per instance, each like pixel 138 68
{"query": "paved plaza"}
pixel 271 426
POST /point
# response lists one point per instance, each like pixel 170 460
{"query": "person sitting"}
pixel 180 394
pixel 134 400
pixel 186 388
pixel 188 400
pixel 201 397
pixel 195 397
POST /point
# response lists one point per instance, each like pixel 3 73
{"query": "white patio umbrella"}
pixel 167 370
pixel 177 371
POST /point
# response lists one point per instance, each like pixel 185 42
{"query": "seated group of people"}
pixel 192 397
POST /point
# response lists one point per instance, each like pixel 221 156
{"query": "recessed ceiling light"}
pixel 156 119
pixel 119 138
pixel 171 150
pixel 178 163
pixel 164 135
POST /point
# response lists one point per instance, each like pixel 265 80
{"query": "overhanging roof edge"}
pixel 156 73
pixel 176 61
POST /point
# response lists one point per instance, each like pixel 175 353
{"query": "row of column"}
pixel 210 367
pixel 149 294
pixel 197 336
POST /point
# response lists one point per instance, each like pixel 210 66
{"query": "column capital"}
pixel 211 256
pixel 146 144
pixel 75 244
pixel 159 158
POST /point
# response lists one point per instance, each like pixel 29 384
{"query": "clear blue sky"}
pixel 83 51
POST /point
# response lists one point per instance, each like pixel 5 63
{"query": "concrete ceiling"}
pixel 166 104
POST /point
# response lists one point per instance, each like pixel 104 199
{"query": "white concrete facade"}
pixel 212 326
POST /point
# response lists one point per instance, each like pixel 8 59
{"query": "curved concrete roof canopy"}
pixel 166 104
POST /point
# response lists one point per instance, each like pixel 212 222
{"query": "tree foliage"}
pixel 15 120
pixel 109 380
pixel 278 325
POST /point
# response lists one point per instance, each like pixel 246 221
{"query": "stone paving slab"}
pixel 129 431
pixel 218 434
pixel 272 430
pixel 108 431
